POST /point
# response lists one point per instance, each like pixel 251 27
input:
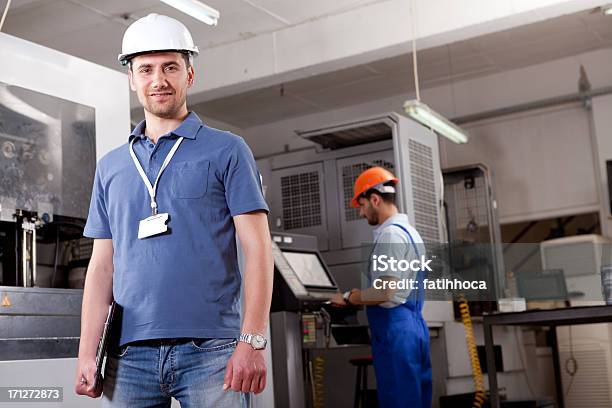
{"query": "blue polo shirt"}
pixel 184 283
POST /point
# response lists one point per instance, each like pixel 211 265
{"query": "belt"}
pixel 161 342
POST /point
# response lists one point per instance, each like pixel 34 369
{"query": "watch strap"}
pixel 245 337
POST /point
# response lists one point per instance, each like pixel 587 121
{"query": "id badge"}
pixel 153 225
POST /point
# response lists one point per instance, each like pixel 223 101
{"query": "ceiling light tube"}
pixel 429 118
pixel 196 9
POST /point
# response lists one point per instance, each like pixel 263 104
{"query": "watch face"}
pixel 258 341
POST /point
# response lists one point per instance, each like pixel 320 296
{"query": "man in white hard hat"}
pixel 164 212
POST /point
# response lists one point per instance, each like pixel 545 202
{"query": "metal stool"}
pixel 361 384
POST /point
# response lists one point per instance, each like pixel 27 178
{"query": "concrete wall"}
pixel 541 161
pixel 602 127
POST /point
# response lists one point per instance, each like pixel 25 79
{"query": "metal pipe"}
pixel 542 103
pixel 24 258
pixel 33 258
pixel 26 251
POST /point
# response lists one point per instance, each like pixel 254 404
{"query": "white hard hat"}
pixel 155 33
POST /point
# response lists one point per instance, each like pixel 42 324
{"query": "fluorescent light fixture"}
pixel 607 10
pixel 432 119
pixel 196 9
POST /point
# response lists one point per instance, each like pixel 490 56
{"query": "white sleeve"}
pixel 395 244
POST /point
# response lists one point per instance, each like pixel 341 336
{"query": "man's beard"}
pixel 373 219
pixel 164 110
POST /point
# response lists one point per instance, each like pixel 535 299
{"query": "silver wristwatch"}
pixel 257 341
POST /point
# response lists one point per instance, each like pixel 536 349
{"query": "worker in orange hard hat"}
pixel 376 178
pixel 400 337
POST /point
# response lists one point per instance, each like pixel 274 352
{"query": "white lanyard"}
pixel 153 188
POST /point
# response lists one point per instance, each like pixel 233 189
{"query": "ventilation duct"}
pixel 349 135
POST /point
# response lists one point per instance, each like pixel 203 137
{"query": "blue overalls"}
pixel 400 349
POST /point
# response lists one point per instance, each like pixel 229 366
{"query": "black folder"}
pixel 103 344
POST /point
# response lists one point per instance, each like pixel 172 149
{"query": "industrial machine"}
pixel 473 234
pixel 42 183
pixel 51 134
pixel 44 195
pixel 303 323
pixel 309 190
pixel 581 258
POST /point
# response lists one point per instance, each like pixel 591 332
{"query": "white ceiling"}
pixel 93 30
pixel 505 50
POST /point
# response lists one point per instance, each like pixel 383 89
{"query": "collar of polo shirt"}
pixel 188 129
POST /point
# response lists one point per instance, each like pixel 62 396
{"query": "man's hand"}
pixel 86 369
pixel 337 300
pixel 97 295
pixel 245 370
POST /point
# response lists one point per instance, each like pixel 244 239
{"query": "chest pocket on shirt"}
pixel 190 179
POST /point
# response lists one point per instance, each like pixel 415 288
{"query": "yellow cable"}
pixel 319 382
pixel 464 309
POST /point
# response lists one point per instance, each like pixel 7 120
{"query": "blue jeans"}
pixel 148 374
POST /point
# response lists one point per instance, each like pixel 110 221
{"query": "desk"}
pixel 551 318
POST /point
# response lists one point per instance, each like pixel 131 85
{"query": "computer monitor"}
pixel 542 285
pixel 310 269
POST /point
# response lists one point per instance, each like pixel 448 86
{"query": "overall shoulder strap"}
pixel 418 302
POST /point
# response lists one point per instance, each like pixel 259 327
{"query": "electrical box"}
pixel 310 190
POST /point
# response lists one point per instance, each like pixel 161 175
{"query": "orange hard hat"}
pixel 371 178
